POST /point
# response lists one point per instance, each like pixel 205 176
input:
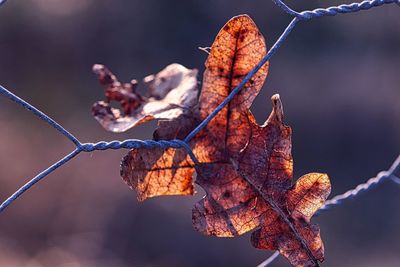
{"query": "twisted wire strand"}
pixel 136 143
pixel 343 9
pixel 129 144
pixel 364 187
pixel 334 10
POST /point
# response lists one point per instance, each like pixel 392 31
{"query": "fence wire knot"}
pixel 391 174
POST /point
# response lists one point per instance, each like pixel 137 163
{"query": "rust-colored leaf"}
pixel 172 92
pixel 246 169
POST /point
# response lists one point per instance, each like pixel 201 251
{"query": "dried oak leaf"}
pixel 245 169
pixel 172 92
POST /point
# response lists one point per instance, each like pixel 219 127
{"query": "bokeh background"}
pixel 338 78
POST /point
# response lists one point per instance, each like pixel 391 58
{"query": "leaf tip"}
pixel 104 75
pixel 277 109
pixel 97 68
pixel 245 16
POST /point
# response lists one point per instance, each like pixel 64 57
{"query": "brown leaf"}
pixel 246 169
pixel 256 192
pixel 172 92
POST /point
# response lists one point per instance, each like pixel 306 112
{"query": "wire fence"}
pixel 80 147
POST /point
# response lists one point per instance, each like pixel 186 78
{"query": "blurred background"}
pixel 338 78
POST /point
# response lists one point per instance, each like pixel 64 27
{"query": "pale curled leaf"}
pixel 172 92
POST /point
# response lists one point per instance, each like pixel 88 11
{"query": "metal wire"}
pixel 361 188
pixel 134 143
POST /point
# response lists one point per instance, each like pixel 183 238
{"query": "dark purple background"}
pixel 338 78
